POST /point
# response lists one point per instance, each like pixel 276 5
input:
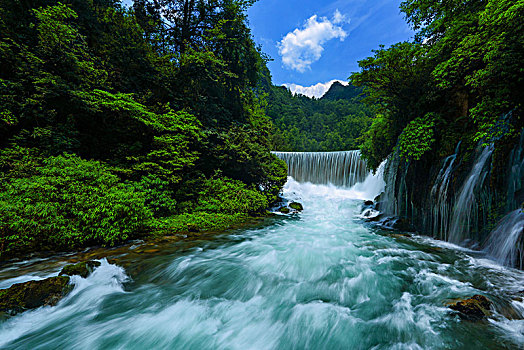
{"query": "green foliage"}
pixel 200 221
pixel 378 141
pixel 417 138
pixel 69 202
pixel 223 195
pixel 113 120
pixel 465 66
pixel 332 123
pixel 159 195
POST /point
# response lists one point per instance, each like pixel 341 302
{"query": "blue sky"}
pixel 314 41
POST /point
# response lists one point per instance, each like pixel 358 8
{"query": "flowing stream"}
pixel 321 279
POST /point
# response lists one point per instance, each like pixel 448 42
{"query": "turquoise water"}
pixel 321 279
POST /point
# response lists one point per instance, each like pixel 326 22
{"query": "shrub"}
pixel 417 138
pixel 224 195
pixel 69 202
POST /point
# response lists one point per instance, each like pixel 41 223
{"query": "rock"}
pixel 375 218
pixel 296 206
pixel 368 203
pixel 284 210
pixel 475 308
pixel 82 269
pixel 33 294
pixel 397 223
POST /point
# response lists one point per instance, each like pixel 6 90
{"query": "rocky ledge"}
pixel 476 308
pixel 25 296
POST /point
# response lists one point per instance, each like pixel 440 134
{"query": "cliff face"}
pixel 461 198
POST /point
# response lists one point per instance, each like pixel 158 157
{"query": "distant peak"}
pixel 317 90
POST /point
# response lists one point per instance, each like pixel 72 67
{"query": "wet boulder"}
pixel 33 294
pixel 82 269
pixel 284 210
pixel 296 206
pixel 475 308
pixel 397 223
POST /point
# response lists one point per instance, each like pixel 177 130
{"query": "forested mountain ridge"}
pixel 116 123
pixel 334 122
pixel 338 91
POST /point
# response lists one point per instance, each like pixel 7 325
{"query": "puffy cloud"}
pixel 317 90
pixel 302 47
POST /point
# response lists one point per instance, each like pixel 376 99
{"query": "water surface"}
pixel 321 279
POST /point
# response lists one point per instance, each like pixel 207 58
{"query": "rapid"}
pixel 319 279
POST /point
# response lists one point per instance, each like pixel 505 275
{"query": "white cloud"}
pixel 302 47
pixel 317 90
pixel 339 18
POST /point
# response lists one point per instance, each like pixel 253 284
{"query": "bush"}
pixel 158 194
pixel 378 141
pixel 68 202
pixel 224 195
pixel 417 138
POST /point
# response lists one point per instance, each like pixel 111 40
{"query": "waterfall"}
pixel 505 242
pixel 390 205
pixel 464 210
pixel 515 194
pixel 438 198
pixel 343 169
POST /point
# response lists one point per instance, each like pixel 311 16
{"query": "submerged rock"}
pixel 475 308
pixel 33 294
pixel 296 206
pixel 83 269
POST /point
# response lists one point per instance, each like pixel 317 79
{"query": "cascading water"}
pixel 438 199
pixel 515 191
pixel 505 243
pixel 464 210
pixel 320 279
pixel 343 169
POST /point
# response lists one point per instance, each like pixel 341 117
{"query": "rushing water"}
pixel 466 203
pixel 344 168
pixel 317 280
pixel 504 243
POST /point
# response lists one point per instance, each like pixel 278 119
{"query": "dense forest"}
pixel 117 123
pixel 448 119
pixel 461 78
pixel 334 122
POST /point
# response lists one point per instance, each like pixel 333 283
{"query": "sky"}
pixel 315 42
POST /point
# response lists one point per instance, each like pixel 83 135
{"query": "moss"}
pixel 82 269
pixel 284 210
pixel 33 294
pixel 296 206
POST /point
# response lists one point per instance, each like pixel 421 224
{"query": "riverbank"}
pixel 185 228
pixel 317 279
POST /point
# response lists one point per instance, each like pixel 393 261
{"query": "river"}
pixel 321 279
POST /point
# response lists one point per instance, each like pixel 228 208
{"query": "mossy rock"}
pixel 284 210
pixel 296 206
pixel 33 294
pixel 82 269
pixel 475 308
